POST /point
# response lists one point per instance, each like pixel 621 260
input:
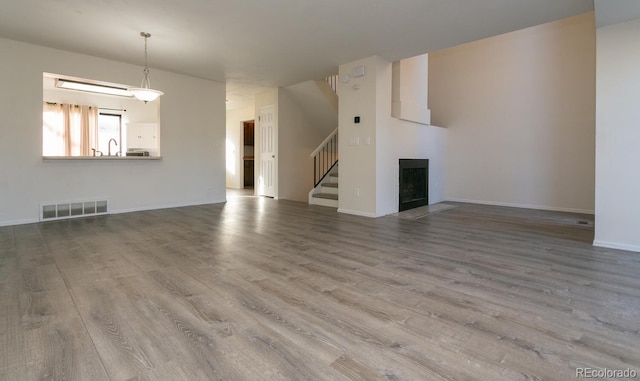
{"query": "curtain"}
pixel 53 130
pixel 69 130
pixel 88 128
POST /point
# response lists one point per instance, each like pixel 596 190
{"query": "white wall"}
pixel 618 136
pixel 370 165
pixel 519 110
pixel 410 89
pixel 193 140
pixel 318 102
pixel 297 138
pixel 234 143
pixel 357 163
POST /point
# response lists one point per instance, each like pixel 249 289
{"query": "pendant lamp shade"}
pixel 145 93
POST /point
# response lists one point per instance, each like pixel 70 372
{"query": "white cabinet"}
pixel 142 135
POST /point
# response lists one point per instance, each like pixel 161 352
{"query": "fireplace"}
pixel 414 183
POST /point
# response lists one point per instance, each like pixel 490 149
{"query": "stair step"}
pixel 330 185
pixel 326 195
pixel 333 174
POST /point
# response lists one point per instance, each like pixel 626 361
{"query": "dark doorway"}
pixel 248 133
pixel 414 183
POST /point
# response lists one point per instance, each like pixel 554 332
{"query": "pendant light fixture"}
pixel 145 93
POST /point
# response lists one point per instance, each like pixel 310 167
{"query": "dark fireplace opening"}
pixel 414 183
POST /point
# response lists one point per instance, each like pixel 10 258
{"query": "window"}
pixel 109 127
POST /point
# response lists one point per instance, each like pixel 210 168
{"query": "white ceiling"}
pixel 253 44
pixel 615 11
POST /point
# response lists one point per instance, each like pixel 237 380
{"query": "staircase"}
pixel 326 193
pixel 325 172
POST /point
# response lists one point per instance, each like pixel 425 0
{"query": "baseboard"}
pixel 615 245
pixel 120 211
pixel 165 206
pixel 356 213
pixel 20 222
pixel 524 206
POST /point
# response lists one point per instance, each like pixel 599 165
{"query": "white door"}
pixel 267 176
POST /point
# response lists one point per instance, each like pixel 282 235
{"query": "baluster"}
pixel 326 158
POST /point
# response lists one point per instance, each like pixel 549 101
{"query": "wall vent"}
pixel 72 209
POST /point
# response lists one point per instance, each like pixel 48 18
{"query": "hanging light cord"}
pixel 145 93
pixel 146 83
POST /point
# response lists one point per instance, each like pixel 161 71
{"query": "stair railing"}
pixel 325 157
pixel 333 82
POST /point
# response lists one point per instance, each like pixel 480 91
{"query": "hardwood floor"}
pixel 257 289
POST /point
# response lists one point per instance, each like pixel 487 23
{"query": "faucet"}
pixel 114 142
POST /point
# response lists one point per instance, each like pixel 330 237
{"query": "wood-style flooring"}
pixel 257 289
